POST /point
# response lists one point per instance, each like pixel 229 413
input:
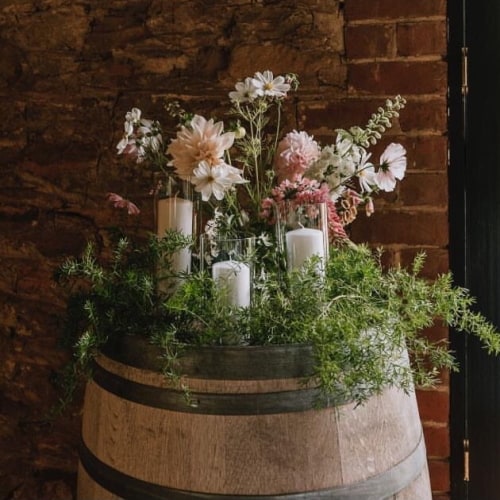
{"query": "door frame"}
pixel 457 106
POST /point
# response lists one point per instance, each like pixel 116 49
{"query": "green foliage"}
pixel 361 319
pixel 119 296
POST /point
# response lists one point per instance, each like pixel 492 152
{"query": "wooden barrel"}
pixel 248 429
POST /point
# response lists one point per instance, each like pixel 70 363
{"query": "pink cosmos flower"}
pixel 203 141
pixel 295 153
pixel 119 202
pixel 392 167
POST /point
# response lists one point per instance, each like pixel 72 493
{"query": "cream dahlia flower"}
pixel 204 141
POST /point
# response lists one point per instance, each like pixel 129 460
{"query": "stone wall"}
pixel 69 70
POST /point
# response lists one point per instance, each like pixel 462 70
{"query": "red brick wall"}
pixel 400 47
pixel 68 73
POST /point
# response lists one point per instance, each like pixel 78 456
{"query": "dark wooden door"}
pixel 475 239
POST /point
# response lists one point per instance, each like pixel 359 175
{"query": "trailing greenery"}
pixel 116 296
pixel 360 318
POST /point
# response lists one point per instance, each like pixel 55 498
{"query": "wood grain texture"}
pixel 263 454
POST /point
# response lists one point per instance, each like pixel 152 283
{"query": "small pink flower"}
pixel 295 153
pixel 369 207
pixel 119 202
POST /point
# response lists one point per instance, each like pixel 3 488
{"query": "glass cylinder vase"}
pixel 230 262
pixel 174 209
pixel 303 233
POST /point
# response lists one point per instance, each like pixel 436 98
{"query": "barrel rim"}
pixel 208 403
pixel 218 362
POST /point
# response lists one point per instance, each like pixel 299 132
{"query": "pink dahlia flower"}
pixel 295 153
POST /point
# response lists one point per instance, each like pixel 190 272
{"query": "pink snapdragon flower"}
pixel 119 202
pixel 294 154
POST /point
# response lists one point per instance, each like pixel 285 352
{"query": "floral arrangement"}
pixel 247 175
pixel 340 174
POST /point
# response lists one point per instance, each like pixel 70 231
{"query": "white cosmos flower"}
pixel 366 178
pixel 134 115
pixel 215 180
pixel 151 142
pixel 392 167
pixel 245 91
pixel 140 136
pixel 266 85
pixel 126 144
pixel 366 173
pixel 132 118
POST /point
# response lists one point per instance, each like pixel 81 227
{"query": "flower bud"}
pixel 240 132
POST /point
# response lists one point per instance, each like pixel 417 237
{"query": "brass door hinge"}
pixel 465 71
pixel 466 461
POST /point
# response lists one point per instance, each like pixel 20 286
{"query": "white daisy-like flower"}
pixel 127 142
pixel 126 145
pixel 215 180
pixel 133 116
pixel 366 173
pixel 245 91
pixel 264 239
pixel 392 167
pixel 366 178
pixel 151 142
pixel 140 136
pixel 266 85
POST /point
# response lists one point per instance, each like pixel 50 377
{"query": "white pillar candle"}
pixel 176 214
pixel 234 278
pixel 302 244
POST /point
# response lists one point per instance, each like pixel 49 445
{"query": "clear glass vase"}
pixel 175 209
pixel 230 261
pixel 302 233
